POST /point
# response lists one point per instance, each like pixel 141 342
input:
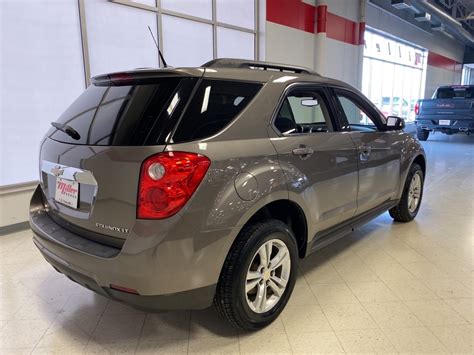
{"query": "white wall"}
pixel 118 37
pixel 327 56
pixel 14 206
pixel 437 76
pixel 289 45
pixel 41 73
pixel 337 60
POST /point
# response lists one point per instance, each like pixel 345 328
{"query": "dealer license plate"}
pixel 444 122
pixel 67 192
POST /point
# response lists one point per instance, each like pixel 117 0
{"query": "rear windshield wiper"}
pixel 71 132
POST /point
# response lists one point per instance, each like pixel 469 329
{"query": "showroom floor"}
pixel 387 288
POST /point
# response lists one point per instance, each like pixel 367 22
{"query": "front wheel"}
pixel 258 276
pixel 409 204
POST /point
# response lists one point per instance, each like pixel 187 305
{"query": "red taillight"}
pixel 417 108
pixel 167 181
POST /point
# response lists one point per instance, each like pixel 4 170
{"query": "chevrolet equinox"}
pixel 186 187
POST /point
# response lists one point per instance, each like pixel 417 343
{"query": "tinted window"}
pixel 141 114
pixel 455 93
pixel 215 104
pixel 303 111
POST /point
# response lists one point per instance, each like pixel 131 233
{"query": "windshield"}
pixel 126 115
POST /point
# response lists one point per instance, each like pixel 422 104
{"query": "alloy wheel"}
pixel 414 193
pixel 267 276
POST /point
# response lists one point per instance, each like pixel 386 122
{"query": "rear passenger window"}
pixel 215 104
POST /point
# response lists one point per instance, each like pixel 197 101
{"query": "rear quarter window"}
pixel 125 115
pixel 215 104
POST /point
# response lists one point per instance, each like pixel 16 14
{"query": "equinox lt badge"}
pixel 112 228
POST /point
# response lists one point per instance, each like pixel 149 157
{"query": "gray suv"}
pixel 187 187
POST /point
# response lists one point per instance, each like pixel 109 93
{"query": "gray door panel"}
pixel 378 150
pixel 320 163
pixel 326 180
pixel 379 168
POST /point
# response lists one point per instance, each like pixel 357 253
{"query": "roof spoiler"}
pixel 257 65
pixel 134 76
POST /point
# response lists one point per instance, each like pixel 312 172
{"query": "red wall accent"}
pixel 302 16
pixel 440 61
pixel 291 13
pixel 342 29
pixel 299 15
pixel 321 18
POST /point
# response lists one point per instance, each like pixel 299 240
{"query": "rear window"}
pixel 125 115
pixel 455 93
pixel 215 104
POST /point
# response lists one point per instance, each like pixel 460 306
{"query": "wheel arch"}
pixel 421 161
pixel 290 213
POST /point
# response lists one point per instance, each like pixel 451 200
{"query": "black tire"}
pixel 231 299
pixel 401 212
pixel 422 134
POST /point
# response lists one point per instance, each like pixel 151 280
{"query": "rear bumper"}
pixel 193 299
pixel 455 126
pixel 167 275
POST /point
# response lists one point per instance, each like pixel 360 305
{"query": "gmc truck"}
pixel 450 111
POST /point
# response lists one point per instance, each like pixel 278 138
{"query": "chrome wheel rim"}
pixel 414 193
pixel 268 276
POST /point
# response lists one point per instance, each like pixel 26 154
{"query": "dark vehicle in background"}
pixel 186 187
pixel 450 111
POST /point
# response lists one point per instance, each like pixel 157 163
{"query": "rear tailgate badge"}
pixel 112 228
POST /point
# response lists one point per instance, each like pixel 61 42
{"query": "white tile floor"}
pixel 387 288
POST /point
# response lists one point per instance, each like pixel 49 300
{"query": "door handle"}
pixel 303 152
pixel 365 151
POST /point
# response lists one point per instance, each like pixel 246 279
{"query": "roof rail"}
pixel 253 64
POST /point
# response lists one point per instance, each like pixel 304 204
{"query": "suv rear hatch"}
pixel 91 157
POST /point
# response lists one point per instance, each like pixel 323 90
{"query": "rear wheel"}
pixel 409 204
pixel 258 275
pixel 422 134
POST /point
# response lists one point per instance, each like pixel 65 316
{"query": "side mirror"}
pixel 395 123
